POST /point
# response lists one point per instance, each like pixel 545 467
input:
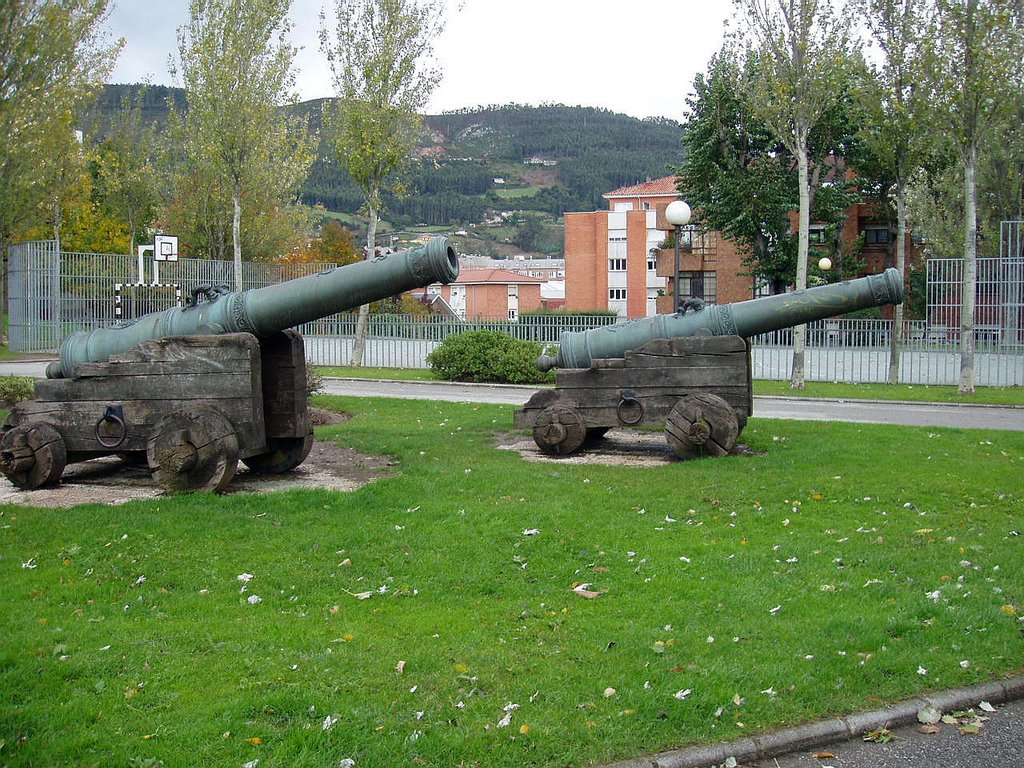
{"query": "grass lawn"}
pixel 515 193
pixel 430 618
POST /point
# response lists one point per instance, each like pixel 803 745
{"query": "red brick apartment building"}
pixel 489 294
pixel 609 263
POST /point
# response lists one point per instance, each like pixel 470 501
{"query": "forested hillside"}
pixel 549 159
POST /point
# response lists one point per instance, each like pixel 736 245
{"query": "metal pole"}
pixel 677 301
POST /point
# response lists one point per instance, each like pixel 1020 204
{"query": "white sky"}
pixel 636 58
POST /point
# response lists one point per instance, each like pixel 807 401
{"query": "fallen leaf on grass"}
pixel 583 590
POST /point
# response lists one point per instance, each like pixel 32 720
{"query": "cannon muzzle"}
pixel 265 311
pixel 745 318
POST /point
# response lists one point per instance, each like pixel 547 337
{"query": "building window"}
pixel 816 235
pixel 616 265
pixel 652 264
pixel 876 235
pixel 699 285
pixel 616 294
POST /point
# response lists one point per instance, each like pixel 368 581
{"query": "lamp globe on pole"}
pixel 677 213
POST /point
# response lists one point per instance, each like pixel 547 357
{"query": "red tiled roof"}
pixel 666 185
pixel 494 276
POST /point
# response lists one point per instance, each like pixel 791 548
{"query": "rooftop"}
pixel 666 185
pixel 476 276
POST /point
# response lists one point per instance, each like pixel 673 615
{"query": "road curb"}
pixel 821 732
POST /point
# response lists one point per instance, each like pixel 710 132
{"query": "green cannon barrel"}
pixel 745 318
pixel 265 311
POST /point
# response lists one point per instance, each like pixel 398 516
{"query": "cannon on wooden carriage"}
pixel 689 371
pixel 192 390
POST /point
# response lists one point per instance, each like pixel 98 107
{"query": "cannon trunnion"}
pixel 191 407
pixel 698 387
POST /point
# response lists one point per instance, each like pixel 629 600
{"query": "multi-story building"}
pixel 547 269
pixel 490 294
pixel 613 260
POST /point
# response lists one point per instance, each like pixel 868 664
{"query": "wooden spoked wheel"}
pixel 701 425
pixel 193 450
pixel 559 430
pixel 33 455
pixel 283 455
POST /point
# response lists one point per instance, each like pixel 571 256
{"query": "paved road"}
pixel 805 409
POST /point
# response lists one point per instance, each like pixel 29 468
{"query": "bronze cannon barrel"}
pixel 745 318
pixel 265 311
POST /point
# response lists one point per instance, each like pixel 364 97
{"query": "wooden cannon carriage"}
pixel 193 390
pixel 697 387
pixel 689 371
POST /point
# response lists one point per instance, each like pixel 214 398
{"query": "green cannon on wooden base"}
pixel 689 371
pixel 192 390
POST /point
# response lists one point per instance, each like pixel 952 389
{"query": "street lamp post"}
pixel 677 213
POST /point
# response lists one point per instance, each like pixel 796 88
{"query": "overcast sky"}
pixel 636 58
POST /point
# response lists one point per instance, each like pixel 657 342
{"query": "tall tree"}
pixel 894 133
pixel 736 174
pixel 53 54
pixel 802 58
pixel 236 66
pixel 381 58
pixel 974 49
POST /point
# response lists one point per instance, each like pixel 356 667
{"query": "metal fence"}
pixel 845 350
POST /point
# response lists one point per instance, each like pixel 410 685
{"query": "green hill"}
pixel 475 165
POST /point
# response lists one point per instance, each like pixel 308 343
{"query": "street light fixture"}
pixel 677 213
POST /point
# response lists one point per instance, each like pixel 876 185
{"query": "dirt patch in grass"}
pixel 618 447
pixel 113 481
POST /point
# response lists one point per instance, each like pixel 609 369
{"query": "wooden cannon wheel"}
pixel 33 455
pixel 559 429
pixel 193 450
pixel 283 454
pixel 701 425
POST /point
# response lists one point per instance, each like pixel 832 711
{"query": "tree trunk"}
pixel 363 319
pixel 970 272
pixel 236 234
pixel 896 340
pixel 796 380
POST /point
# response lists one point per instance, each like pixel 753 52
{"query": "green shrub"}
pixel 487 356
pixel 14 389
